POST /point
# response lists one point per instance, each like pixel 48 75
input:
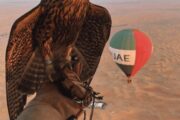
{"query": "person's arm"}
pixel 50 104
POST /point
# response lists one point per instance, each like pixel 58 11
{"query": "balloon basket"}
pixel 129 80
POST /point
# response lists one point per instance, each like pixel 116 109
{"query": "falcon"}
pixel 50 39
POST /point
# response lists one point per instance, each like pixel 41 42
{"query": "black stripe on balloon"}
pixel 127 69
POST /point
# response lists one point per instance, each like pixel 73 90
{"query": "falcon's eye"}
pixel 75 58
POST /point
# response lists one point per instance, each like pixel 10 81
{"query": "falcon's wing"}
pixel 18 53
pixel 92 39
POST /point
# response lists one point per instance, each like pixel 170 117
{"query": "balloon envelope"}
pixel 130 49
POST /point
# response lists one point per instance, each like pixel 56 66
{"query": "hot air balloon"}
pixel 130 49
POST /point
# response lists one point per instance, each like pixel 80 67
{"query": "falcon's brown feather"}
pixel 92 39
pixel 19 51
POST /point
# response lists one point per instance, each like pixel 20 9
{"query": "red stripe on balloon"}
pixel 143 50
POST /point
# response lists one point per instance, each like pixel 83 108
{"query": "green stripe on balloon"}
pixel 123 40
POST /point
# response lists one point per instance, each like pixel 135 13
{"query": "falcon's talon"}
pixel 50 78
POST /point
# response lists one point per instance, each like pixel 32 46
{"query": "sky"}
pixel 94 1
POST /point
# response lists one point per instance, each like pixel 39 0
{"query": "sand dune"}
pixel 154 93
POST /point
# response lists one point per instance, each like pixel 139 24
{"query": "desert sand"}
pixel 154 93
